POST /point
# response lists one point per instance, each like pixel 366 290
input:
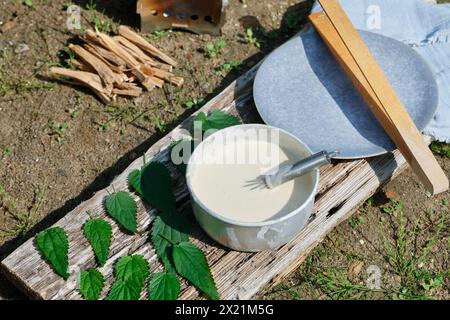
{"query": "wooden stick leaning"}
pixel 359 64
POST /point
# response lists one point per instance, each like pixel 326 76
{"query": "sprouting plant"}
pixel 73 113
pixel 407 262
pixel 119 115
pixel 3 53
pixel 28 3
pixel 25 220
pixel 251 38
pixel 58 130
pixel 214 49
pixel 393 207
pixel 160 123
pixel 158 34
pixel 6 151
pixel 356 221
pixel 228 66
pixel 190 103
pixel 91 5
pixel 441 148
pixel 102 25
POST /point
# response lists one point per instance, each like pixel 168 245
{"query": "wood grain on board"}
pixel 343 187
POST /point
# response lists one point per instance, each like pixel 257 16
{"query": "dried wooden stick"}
pixel 140 55
pixel 135 92
pixel 143 44
pixel 88 79
pixel 147 71
pixel 119 71
pixel 105 54
pixel 81 66
pixel 129 60
pixel 167 76
pixel 106 74
pixel 137 53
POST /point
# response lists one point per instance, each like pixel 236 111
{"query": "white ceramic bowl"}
pixel 254 236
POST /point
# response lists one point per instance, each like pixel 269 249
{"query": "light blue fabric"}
pixel 420 24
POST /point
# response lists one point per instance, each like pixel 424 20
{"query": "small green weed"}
pixel 160 123
pixel 58 130
pixel 102 25
pixel 225 68
pixel 28 3
pixel 159 34
pixel 6 151
pixel 441 148
pixel 191 103
pixel 118 114
pixel 356 221
pixel 214 49
pixel 24 220
pixel 250 38
pixel 91 5
pixel 407 262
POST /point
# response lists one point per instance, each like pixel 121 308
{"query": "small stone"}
pixel 392 195
pixel 354 268
pixel 22 47
pixel 8 26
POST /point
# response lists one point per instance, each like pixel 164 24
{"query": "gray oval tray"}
pixel 302 89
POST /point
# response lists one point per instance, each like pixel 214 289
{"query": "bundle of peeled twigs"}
pixel 119 65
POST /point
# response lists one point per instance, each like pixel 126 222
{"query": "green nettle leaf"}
pixel 156 184
pixel 121 290
pixel 191 264
pixel 134 181
pixel 131 273
pixel 132 268
pixel 54 247
pixel 217 120
pixel 91 284
pixel 169 229
pixel 164 286
pixel 99 233
pixel 122 208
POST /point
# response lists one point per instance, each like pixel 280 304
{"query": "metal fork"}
pixel 291 171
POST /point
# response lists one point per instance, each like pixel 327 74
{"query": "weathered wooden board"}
pixel 343 186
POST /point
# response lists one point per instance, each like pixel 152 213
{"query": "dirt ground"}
pixel 59 144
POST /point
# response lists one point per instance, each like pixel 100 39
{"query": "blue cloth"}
pixel 422 25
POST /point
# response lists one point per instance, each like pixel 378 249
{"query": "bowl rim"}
pixel 264 223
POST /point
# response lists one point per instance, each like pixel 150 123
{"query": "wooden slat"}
pixel 377 91
pixel 343 187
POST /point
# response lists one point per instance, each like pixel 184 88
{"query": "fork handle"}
pixel 309 164
pixel 300 168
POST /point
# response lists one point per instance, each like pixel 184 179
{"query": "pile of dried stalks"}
pixel 112 66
